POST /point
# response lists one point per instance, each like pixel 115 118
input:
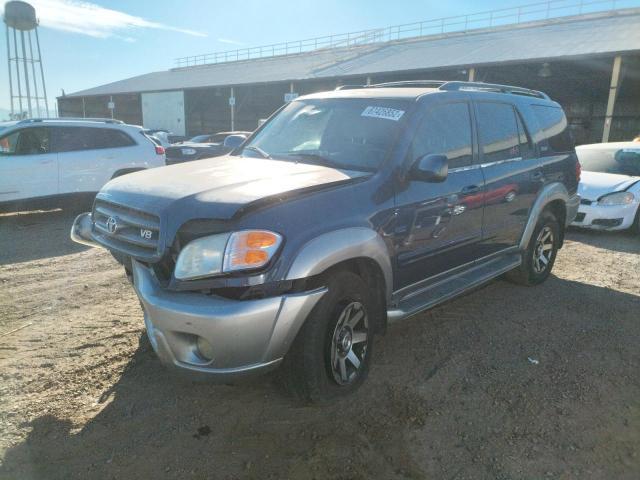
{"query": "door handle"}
pixel 470 190
pixel 537 175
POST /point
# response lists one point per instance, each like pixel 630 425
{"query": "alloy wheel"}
pixel 543 250
pixel 349 343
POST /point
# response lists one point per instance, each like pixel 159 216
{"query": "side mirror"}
pixel 234 141
pixel 430 168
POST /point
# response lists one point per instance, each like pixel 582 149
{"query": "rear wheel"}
pixel 541 254
pixel 331 354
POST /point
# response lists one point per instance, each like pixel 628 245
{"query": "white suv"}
pixel 43 161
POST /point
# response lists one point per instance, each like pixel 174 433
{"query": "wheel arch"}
pixel 358 249
pixel 553 197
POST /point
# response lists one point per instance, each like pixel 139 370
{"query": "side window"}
pixel 446 130
pixel 112 138
pixel 526 146
pixel 8 143
pixel 73 139
pixel 498 130
pixel 556 135
pixel 30 141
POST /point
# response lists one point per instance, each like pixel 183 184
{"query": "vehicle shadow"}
pixel 624 242
pixel 37 234
pixel 448 376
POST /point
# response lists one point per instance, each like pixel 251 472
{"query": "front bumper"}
pixel 245 337
pixel 572 208
pixel 611 217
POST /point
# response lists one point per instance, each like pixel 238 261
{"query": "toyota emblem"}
pixel 112 225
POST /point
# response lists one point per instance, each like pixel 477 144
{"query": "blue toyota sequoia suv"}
pixel 344 212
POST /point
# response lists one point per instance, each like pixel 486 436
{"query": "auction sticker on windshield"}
pixel 383 112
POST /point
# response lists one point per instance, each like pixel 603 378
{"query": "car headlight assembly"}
pixel 226 252
pixel 616 198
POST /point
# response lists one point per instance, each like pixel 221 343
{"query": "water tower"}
pixel 25 84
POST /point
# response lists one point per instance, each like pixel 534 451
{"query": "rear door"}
pixel 89 156
pixel 513 175
pixel 438 228
pixel 28 167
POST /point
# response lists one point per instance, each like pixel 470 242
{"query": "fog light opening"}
pixel 205 349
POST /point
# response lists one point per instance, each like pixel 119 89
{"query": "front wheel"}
pixel 541 254
pixel 331 355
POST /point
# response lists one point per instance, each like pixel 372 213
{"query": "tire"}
pixel 540 254
pixel 635 228
pixel 320 367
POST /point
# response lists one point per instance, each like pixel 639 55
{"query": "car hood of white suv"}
pixel 595 184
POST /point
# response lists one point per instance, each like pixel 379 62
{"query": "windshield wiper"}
pixel 319 159
pixel 259 150
pixel 326 162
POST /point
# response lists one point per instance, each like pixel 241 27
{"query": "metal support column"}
pixel 33 75
pixel 368 81
pixel 15 59
pixel 26 74
pixel 472 74
pixel 9 70
pixel 44 87
pixel 291 88
pixel 613 92
pixel 232 104
pixel 84 110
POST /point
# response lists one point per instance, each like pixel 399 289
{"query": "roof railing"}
pixel 456 24
pixel 492 87
pixel 453 86
pixel 72 119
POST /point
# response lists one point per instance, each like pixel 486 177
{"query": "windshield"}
pixel 621 161
pixel 352 134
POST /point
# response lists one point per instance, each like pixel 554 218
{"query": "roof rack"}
pixel 410 84
pixel 453 86
pixel 493 87
pixel 71 119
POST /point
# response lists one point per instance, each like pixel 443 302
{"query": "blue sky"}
pixel 89 43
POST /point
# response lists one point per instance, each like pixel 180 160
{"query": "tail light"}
pixel 578 170
pixel 159 150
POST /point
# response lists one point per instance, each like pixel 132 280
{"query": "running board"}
pixel 448 288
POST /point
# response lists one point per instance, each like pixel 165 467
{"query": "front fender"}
pixel 337 246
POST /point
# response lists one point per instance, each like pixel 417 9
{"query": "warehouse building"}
pixel 589 63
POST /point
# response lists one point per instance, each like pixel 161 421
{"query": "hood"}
pixel 595 184
pixel 217 188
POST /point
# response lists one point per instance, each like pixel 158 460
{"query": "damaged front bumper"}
pixel 217 336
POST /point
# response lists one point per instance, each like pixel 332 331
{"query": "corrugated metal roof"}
pixel 565 37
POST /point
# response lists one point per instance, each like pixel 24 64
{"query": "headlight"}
pixel 616 198
pixel 189 151
pixel 226 252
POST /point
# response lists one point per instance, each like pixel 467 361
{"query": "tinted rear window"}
pixel 557 137
pixel 70 139
pixel 498 129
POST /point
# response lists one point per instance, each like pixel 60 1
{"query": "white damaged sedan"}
pixel 609 186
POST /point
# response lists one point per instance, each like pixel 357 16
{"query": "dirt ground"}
pixel 504 383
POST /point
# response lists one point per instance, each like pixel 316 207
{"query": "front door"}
pixel 28 168
pixel 439 225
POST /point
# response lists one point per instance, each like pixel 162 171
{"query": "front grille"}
pixel 127 230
